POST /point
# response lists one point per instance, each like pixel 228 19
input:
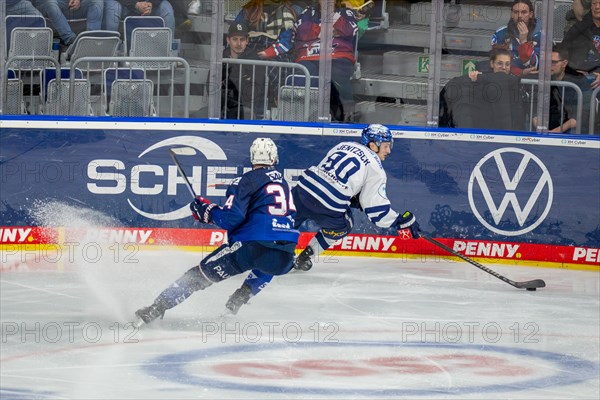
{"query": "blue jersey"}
pixel 259 207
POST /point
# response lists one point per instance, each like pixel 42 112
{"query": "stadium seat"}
pixel 94 44
pixel 130 23
pixel 56 98
pixel 128 93
pixel 21 21
pixel 291 99
pixel 151 43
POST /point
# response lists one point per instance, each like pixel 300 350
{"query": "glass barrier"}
pixel 402 62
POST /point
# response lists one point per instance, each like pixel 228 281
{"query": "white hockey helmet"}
pixel 264 152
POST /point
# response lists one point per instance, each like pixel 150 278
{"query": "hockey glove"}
pixel 408 221
pixel 201 209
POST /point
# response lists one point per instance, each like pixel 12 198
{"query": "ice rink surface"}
pixel 367 328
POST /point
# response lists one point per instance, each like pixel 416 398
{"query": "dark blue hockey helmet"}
pixel 378 134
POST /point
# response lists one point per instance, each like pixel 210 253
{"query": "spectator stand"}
pixel 133 93
pixel 128 93
pixel 21 21
pixel 148 37
pixel 298 98
pixel 131 23
pixel 56 93
pixel 14 94
pixel 392 87
pixel 93 44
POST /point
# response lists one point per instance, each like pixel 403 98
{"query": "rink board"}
pixel 484 192
pixel 51 247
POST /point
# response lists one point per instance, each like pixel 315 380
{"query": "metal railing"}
pixel 113 61
pixel 273 74
pixel 563 84
pixel 34 77
pixel 31 78
pixel 594 109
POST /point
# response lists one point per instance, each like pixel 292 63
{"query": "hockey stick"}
pixel 529 285
pixel 183 151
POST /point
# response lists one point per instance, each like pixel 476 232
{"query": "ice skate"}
pixel 303 262
pixel 148 314
pixel 238 299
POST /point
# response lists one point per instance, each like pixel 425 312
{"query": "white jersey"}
pixel 351 169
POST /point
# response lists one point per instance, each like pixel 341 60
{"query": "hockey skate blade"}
pixel 183 151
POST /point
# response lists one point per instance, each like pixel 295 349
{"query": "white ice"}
pixel 368 328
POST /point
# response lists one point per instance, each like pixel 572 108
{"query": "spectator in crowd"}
pixel 59 12
pixel 308 51
pixel 583 44
pixel 243 85
pixel 522 37
pixel 500 61
pixel 484 100
pixel 271 25
pixel 559 121
pixel 116 10
pixel 579 10
pixel 21 7
pixel 561 71
pixel 361 10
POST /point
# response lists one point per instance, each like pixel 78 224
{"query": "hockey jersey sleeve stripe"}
pixel 375 214
pixel 309 174
pixel 319 194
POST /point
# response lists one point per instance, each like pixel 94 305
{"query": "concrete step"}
pixel 471 16
pixel 463 39
pixel 400 87
pixel 391 113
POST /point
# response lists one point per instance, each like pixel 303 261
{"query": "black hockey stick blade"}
pixel 188 151
pixel 529 285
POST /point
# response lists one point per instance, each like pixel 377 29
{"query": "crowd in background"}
pixel 284 30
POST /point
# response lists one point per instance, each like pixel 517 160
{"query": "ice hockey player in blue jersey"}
pixel 350 175
pixel 259 218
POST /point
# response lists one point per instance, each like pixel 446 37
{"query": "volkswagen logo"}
pixel 507 182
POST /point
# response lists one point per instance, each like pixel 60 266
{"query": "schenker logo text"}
pixel 107 177
pixel 147 180
pixel 513 185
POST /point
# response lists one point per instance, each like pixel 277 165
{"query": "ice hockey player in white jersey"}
pixel 350 175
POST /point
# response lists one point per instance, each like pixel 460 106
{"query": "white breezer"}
pixel 264 152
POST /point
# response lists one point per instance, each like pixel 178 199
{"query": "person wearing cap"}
pixel 238 80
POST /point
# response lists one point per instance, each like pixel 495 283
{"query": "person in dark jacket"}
pixel 583 44
pixel 484 100
pixel 243 85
